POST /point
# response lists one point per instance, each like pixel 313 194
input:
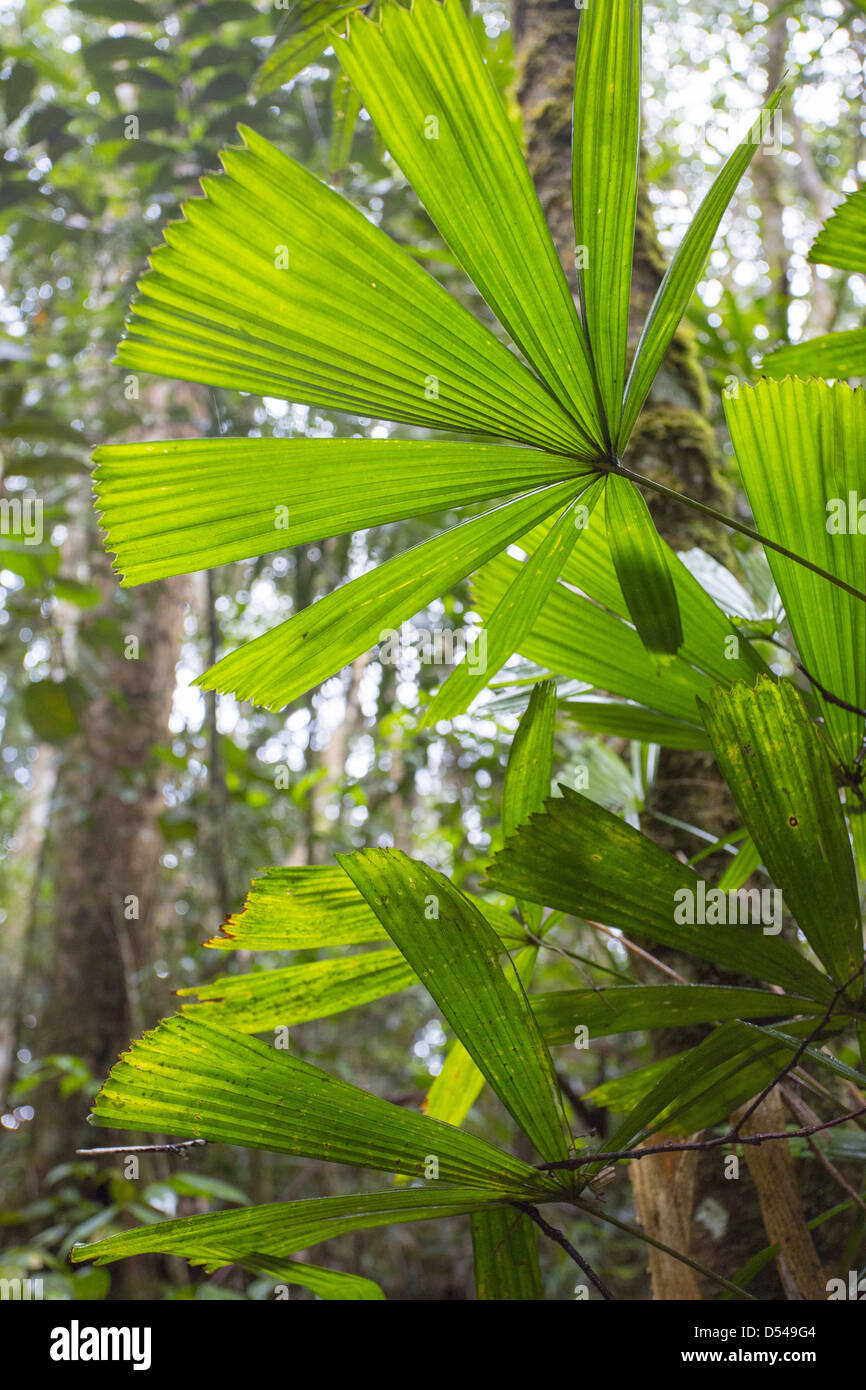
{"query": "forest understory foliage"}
pixel 503 600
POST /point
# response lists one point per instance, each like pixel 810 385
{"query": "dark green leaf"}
pixel 781 774
pixel 581 859
pixel 629 1008
pixel 505 1256
pixel 641 566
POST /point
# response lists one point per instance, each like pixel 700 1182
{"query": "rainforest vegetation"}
pixel 433 621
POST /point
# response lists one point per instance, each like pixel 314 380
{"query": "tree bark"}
pixel 673 443
pixel 105 839
pixel 106 851
pixel 22 895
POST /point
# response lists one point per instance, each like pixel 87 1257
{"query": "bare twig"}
pixel 834 1173
pixel 638 951
pixel 665 1249
pixel 789 1066
pixel 554 1234
pixel 734 1135
pixel 804 1113
pixel 701 1145
pixel 573 958
pixel 179 1148
pixel 828 694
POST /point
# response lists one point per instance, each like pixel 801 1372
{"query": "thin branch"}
pixel 179 1148
pixel 574 959
pixel 703 1145
pixel 733 1135
pixel 665 1249
pixel 789 1066
pixel 808 1083
pixel 554 1234
pixel 828 694
pixel 802 1112
pixel 856 1093
pixel 638 950
pixel 822 689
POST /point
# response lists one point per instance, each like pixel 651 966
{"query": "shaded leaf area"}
pixel 302 37
pixel 632 721
pixel 640 561
pixel 505 1256
pixel 584 860
pixel 782 777
pixel 529 773
pixel 530 761
pixel 584 631
pixel 460 1082
pixel 627 1008
pixel 527 783
pixel 331 1285
pixel 703 1086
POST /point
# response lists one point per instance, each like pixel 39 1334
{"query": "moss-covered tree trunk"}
pixel 673 442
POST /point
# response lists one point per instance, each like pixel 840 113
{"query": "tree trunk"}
pixel 106 850
pixel 105 839
pixel 673 443
pixel 22 896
